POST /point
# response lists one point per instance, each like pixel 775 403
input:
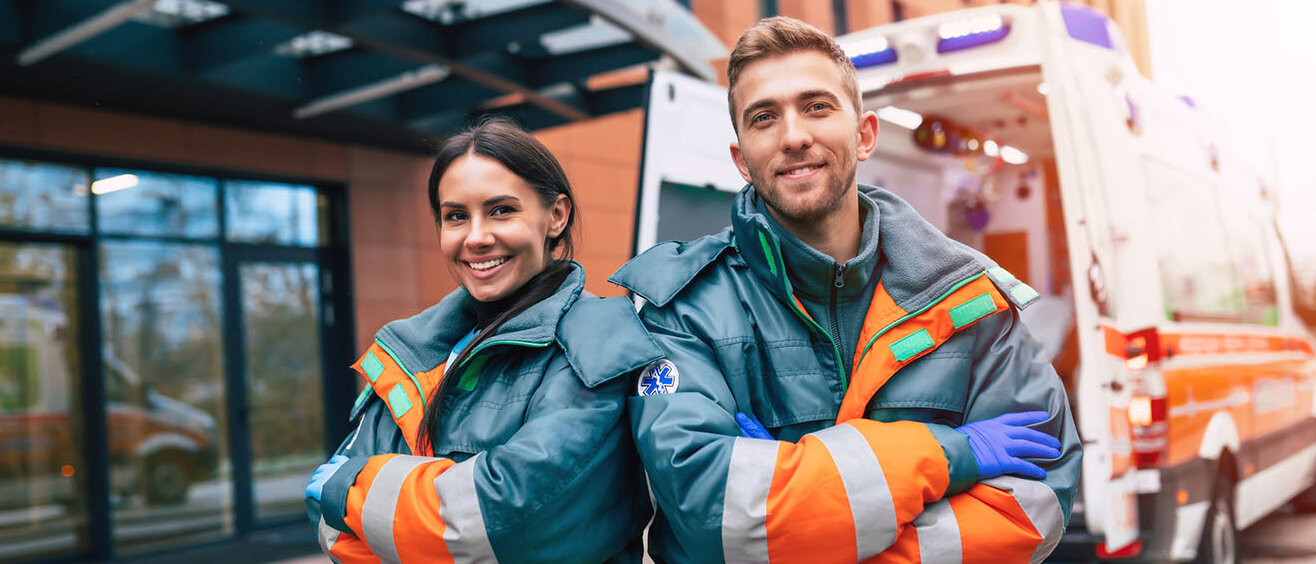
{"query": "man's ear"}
pixel 739 158
pixel 867 136
pixel 558 215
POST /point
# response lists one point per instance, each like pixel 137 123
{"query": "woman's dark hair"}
pixel 526 157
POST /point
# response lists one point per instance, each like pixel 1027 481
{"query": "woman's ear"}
pixel 558 214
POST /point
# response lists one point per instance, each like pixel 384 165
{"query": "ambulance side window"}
pixel 1256 277
pixel 1199 282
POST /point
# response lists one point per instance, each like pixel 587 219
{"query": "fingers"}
pixel 1025 469
pixel 1033 436
pixel 751 428
pixel 1027 449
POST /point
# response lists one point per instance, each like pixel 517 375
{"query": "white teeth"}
pixel 800 170
pixel 486 265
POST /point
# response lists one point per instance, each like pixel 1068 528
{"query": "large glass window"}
pixel 214 387
pixel 43 197
pixel 164 371
pixel 134 202
pixel 42 474
pixel 280 214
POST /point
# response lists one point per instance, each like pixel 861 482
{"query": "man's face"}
pixel 799 139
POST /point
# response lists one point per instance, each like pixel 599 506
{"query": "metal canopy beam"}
pixel 408 37
pixel 648 33
pixel 85 29
pixel 583 64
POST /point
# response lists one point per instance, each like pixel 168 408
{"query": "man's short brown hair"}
pixel 780 35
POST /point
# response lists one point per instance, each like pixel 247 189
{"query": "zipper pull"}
pixel 840 277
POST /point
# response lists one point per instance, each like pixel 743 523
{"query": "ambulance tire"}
pixel 1219 543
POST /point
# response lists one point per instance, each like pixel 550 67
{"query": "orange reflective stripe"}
pixel 398 391
pixel 356 495
pixel 809 516
pixel 926 331
pixel 417 528
pixel 904 551
pixel 996 528
pixel 348 549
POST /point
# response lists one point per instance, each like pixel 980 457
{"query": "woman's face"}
pixel 493 227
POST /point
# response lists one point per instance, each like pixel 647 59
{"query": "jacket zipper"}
pixel 837 284
pixel 840 367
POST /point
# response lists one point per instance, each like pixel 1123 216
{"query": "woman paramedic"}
pixel 493 423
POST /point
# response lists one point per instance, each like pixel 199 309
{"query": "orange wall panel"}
pixel 18 122
pixel 727 19
pixel 817 13
pixel 863 15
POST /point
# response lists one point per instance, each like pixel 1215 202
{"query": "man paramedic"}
pixel 888 361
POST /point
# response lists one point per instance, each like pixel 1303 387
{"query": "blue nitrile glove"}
pixel 316 486
pixel 751 428
pixel 1000 443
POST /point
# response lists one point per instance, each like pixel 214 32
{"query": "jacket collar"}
pixel 424 340
pixel 811 273
pixel 917 264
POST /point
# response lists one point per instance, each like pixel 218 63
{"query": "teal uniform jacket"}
pixel 866 463
pixel 534 461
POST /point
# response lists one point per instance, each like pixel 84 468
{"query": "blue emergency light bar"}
pixel 971 32
pixel 1086 25
pixel 871 52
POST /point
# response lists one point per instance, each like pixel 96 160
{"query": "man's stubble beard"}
pixel 833 200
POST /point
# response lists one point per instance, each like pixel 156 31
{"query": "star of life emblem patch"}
pixel 660 377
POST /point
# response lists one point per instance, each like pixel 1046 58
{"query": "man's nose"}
pixel 796 135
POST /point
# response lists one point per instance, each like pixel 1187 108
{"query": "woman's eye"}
pixel 502 210
pixel 454 216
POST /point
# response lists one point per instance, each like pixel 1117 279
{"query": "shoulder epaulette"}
pixel 661 272
pixel 604 339
pixel 1020 294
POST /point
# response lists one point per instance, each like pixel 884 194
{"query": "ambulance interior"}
pixel 974 155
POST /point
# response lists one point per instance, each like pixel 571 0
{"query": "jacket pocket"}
pixel 932 389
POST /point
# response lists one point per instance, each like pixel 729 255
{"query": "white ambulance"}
pixel 1028 133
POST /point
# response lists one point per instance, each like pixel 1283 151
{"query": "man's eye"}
pixel 817 107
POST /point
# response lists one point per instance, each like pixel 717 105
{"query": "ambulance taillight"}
pixel 1148 419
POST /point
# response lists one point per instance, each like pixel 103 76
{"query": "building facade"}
pixel 180 297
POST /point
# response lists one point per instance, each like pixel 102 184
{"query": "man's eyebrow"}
pixel 820 93
pixel 756 106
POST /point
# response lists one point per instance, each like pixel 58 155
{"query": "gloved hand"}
pixel 751 428
pixel 315 488
pixel 1000 443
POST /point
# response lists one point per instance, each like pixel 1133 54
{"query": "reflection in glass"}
pixel 44 197
pixel 280 321
pixel 281 214
pixel 42 475
pixel 134 202
pixel 163 363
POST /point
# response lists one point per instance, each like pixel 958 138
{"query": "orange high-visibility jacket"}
pixel 533 461
pixel 867 466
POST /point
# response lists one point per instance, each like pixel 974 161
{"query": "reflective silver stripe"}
pixel 459 507
pixel 865 487
pixel 745 503
pixel 381 505
pixel 939 534
pixel 1041 505
pixel 328 536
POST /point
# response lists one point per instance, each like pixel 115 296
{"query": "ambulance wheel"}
pixel 167 480
pixel 1219 535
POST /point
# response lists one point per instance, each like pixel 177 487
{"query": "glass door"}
pixel 283 376
pixel 43 475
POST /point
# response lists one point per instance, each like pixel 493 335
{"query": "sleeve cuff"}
pixel 333 501
pixel 959 457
